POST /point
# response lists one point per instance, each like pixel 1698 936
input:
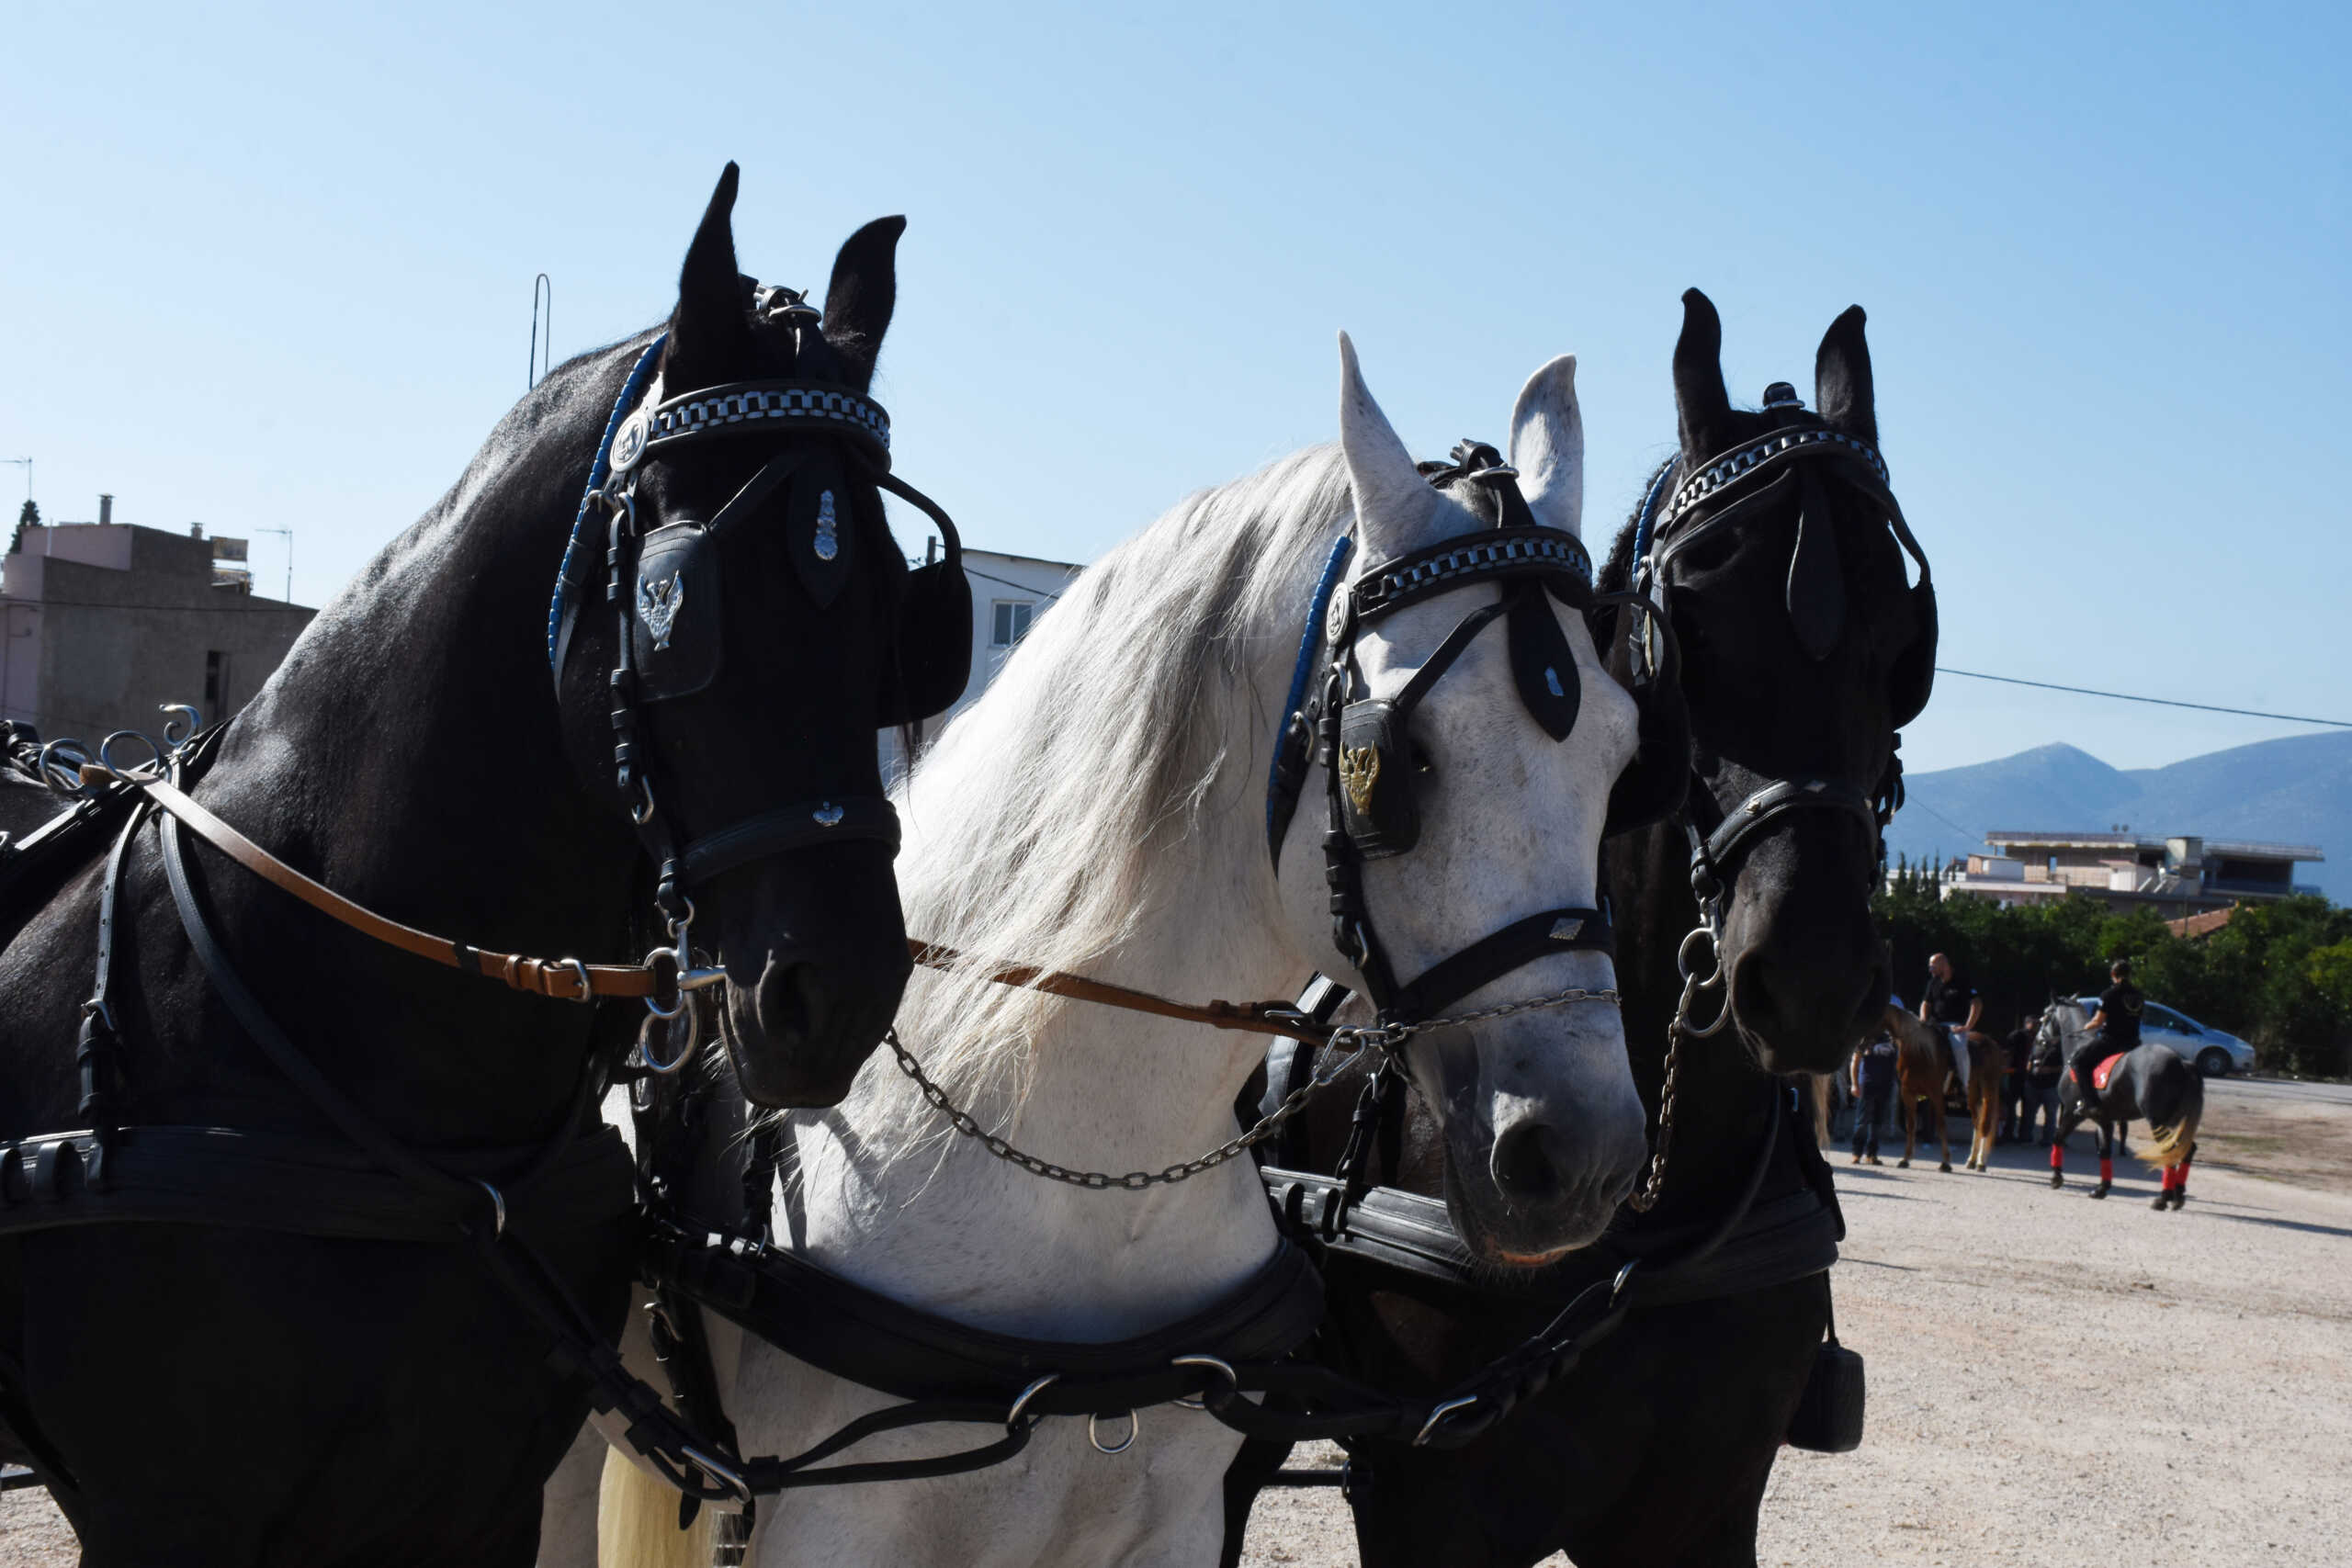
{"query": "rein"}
pixel 560 979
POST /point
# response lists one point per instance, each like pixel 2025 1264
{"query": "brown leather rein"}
pixel 561 979
pixel 1250 1018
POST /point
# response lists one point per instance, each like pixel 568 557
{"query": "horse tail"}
pixel 2173 1140
pixel 637 1521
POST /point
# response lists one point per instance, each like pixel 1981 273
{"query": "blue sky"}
pixel 272 268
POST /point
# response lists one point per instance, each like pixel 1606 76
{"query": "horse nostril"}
pixel 791 1001
pixel 1523 1163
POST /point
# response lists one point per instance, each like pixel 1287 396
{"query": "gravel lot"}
pixel 2217 1434
pixel 2211 1427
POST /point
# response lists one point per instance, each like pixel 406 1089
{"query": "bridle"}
pixel 1362 741
pixel 1735 482
pixel 663 588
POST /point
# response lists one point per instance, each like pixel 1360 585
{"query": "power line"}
pixel 2160 702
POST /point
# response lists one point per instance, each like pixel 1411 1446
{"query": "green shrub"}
pixel 2280 975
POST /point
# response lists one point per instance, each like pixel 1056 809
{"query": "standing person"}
pixel 1872 1076
pixel 1952 1003
pixel 2043 1063
pixel 2114 1028
pixel 2015 1049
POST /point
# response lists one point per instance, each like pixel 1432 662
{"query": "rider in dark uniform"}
pixel 2115 1027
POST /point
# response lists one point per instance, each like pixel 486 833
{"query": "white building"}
pixel 1009 593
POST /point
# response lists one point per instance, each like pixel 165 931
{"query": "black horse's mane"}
pixel 1617 572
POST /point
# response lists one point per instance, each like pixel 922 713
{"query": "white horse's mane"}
pixel 1056 802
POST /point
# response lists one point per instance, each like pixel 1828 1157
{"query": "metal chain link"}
pixel 1345 1046
pixel 1654 1182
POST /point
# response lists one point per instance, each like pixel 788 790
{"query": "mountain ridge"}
pixel 2296 790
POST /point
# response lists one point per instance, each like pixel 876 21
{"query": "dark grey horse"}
pixel 2152 1084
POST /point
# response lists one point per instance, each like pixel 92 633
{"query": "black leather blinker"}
pixel 1378 804
pixel 675 631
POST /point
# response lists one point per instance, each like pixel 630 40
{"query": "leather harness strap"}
pixel 559 978
pixel 1250 1018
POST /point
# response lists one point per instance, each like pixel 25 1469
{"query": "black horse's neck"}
pixel 1723 1099
pixel 411 755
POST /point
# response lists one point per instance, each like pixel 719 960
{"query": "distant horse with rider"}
pixel 2151 1083
pixel 1926 1067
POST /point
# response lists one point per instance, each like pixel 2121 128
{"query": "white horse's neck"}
pixel 898 1202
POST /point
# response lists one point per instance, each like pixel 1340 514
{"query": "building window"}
pixel 215 668
pixel 1011 621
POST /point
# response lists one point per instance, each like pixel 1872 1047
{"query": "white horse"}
pixel 1101 811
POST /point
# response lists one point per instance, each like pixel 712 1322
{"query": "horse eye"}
pixel 1422 763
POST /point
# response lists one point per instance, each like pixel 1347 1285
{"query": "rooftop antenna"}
pixel 289 535
pixel 541 349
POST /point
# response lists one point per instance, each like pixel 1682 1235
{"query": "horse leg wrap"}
pixel 2057 1156
pixel 2106 1171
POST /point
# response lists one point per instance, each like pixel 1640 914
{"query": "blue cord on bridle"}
pixel 1649 515
pixel 566 584
pixel 1308 643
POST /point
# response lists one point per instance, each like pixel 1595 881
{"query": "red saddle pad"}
pixel 2104 1071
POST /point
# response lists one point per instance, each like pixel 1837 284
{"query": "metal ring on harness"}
pixel 497 1209
pixel 686 1052
pixel 717 1472
pixel 151 769
pixel 60 767
pixel 1135 1427
pixel 1690 971
pixel 1440 1413
pixel 1012 1417
pixel 1233 1382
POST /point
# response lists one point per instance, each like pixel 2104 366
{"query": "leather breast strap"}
pixel 559 978
pixel 909 1353
pixel 1751 1246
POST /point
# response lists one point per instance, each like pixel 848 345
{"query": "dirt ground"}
pixel 2209 1425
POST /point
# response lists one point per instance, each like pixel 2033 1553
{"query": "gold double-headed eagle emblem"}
pixel 1359 771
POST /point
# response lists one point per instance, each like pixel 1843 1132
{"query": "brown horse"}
pixel 1924 1065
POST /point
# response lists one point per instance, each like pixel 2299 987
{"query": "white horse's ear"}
pixel 1393 502
pixel 1547 447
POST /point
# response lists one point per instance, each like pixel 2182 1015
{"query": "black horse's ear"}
pixel 710 334
pixel 1842 378
pixel 1701 406
pixel 859 299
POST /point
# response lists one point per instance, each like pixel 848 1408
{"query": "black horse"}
pixel 230 1392
pixel 2151 1083
pixel 1802 654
